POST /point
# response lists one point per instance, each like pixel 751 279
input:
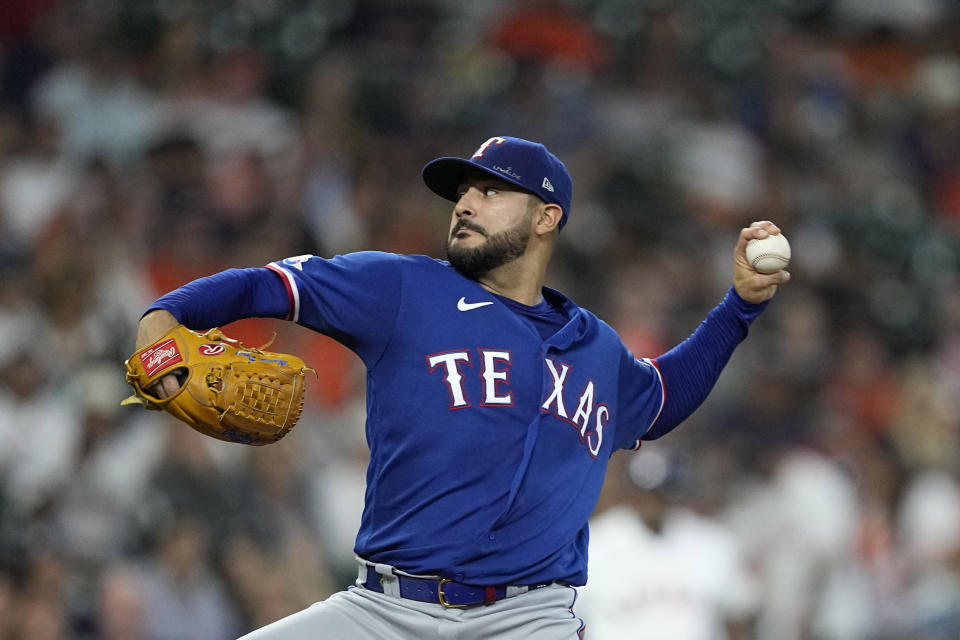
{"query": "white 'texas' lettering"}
pixel 491 376
pixel 594 439
pixel 453 377
pixel 557 394
pixel 588 420
pixel 585 408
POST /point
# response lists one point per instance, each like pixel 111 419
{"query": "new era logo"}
pixel 547 185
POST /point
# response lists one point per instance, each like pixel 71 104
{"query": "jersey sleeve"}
pixel 641 399
pixel 691 369
pixel 353 298
pixel 221 298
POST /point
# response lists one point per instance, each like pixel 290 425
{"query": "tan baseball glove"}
pixel 227 391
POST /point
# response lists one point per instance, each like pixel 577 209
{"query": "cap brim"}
pixel 444 176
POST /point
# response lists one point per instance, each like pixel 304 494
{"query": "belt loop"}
pixel 362 571
pixel 390 582
pixel 515 590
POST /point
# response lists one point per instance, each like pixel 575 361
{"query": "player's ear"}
pixel 548 217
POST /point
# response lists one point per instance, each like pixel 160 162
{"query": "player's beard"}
pixel 499 249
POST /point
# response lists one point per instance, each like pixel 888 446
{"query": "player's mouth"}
pixel 464 227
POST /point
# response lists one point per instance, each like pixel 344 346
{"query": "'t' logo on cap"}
pixel 494 140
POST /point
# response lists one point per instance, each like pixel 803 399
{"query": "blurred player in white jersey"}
pixel 659 570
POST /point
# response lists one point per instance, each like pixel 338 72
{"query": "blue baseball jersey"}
pixel 488 444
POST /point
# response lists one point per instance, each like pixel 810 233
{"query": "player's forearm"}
pixel 692 368
pixel 216 300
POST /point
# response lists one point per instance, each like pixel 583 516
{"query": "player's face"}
pixel 491 226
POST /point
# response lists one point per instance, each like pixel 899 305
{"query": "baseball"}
pixel 769 255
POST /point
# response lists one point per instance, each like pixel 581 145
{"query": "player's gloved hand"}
pixel 752 286
pixel 223 389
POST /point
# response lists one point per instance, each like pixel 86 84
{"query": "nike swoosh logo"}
pixel 463 305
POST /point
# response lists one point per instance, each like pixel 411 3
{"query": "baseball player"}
pixel 493 402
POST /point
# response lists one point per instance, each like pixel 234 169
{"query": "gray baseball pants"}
pixel 360 614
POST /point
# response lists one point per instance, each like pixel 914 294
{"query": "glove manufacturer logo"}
pixel 212 348
pixel 160 356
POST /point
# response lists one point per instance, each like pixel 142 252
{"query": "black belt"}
pixel 443 591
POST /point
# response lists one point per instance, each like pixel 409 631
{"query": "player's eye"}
pixel 486 191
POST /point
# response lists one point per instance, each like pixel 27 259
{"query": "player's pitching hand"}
pixel 751 285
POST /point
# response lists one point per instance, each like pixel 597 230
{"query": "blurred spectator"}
pixel 929 526
pixel 659 569
pixel 35 184
pixel 97 512
pixel 41 428
pixel 121 608
pixel 97 105
pixel 551 32
pixel 38 606
pixel 798 527
pixel 184 598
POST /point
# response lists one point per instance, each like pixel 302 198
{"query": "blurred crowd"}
pixel 144 143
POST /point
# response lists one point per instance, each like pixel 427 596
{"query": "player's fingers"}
pixel 164 387
pixel 772 279
pixel 761 229
pixel 170 384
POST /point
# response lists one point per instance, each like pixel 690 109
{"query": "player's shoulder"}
pixel 398 259
pixel 361 259
pixel 601 324
pixel 602 330
pixel 425 262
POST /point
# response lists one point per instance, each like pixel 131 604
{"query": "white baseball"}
pixel 769 255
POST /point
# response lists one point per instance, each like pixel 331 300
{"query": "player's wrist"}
pixel 743 308
pixel 154 324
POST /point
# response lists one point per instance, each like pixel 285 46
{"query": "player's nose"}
pixel 466 204
pixel 463 208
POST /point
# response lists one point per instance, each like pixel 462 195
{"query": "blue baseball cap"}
pixel 528 165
